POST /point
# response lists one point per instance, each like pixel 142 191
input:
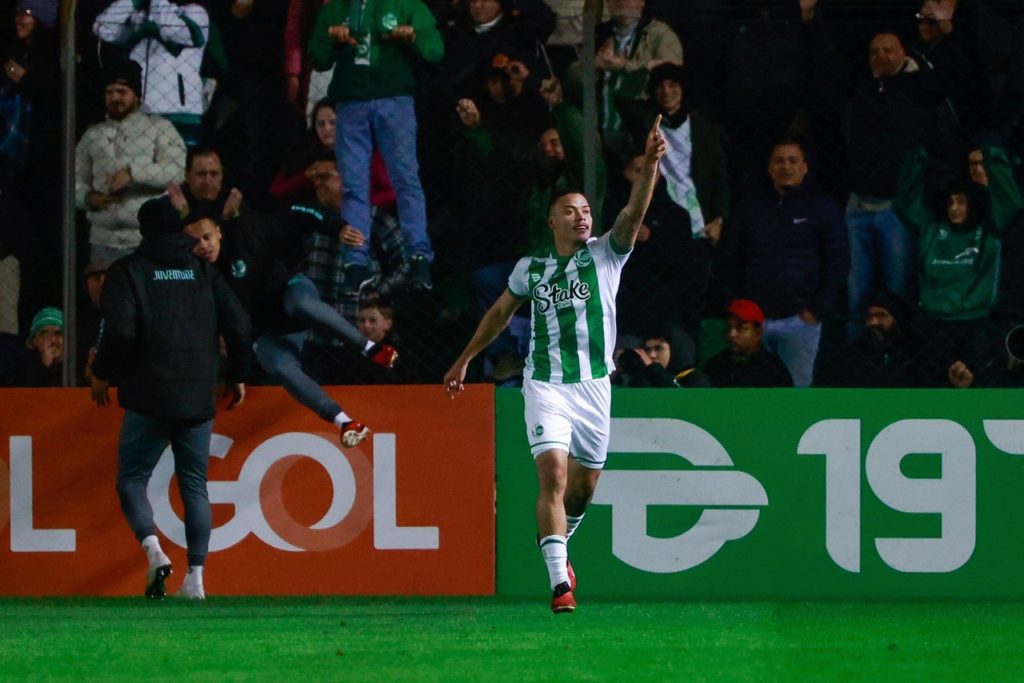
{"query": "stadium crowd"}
pixel 840 204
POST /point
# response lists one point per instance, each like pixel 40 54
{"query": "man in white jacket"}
pixel 121 162
pixel 167 41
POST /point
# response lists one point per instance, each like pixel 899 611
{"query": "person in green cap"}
pixel 42 362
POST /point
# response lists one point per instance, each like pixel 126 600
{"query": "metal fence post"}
pixel 591 14
pixel 69 263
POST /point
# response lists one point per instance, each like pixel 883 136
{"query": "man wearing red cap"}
pixel 746 363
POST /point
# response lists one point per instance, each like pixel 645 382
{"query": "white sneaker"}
pixel 192 586
pixel 193 592
pixel 159 570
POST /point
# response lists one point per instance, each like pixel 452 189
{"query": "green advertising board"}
pixel 801 494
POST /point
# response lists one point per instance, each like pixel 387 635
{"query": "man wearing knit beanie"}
pixel 48 320
pixel 41 362
pixel 121 162
pixel 126 73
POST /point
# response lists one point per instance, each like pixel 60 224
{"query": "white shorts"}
pixel 573 417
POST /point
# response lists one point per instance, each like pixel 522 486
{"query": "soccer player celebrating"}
pixel 566 385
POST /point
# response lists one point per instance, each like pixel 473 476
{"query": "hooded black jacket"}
pixel 163 310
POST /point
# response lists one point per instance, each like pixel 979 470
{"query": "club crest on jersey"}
pixel 239 269
pixel 583 258
pixel 550 294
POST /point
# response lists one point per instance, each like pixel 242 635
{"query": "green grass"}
pixel 480 639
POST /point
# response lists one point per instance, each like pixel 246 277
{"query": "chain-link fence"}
pixel 486 100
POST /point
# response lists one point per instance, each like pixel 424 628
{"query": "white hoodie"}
pixel 171 83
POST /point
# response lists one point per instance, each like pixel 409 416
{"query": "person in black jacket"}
pixel 247 233
pixel 746 363
pixel 889 113
pixel 1007 372
pixel 474 32
pixel 163 310
pixel 667 358
pixel 788 251
pixel 30 155
pixel 888 353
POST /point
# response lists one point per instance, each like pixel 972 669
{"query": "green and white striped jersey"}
pixel 573 311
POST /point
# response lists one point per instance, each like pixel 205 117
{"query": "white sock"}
pixel 151 546
pixel 552 548
pixel 341 418
pixel 570 525
pixel 195 575
pixel 369 345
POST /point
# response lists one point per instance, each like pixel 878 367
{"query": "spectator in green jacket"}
pixel 959 252
pixel 375 47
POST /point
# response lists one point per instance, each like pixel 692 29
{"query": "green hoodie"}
pixel 958 267
pixel 375 68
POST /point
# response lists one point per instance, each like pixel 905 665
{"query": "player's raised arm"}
pixel 494 321
pixel 627 225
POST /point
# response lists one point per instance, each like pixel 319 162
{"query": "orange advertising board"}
pixel 410 511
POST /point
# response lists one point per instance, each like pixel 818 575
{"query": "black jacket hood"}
pixel 158 216
pixel 169 249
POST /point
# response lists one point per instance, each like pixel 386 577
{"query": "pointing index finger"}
pixel 657 125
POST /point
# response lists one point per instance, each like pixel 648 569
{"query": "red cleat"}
pixel 562 600
pixel 353 433
pixel 572 575
pixel 384 355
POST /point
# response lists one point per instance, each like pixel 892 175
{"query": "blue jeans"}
pixel 796 344
pixel 878 240
pixel 143 440
pixel 391 122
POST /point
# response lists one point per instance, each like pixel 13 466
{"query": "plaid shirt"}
pixel 325 267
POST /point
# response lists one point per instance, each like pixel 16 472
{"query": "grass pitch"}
pixel 485 639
